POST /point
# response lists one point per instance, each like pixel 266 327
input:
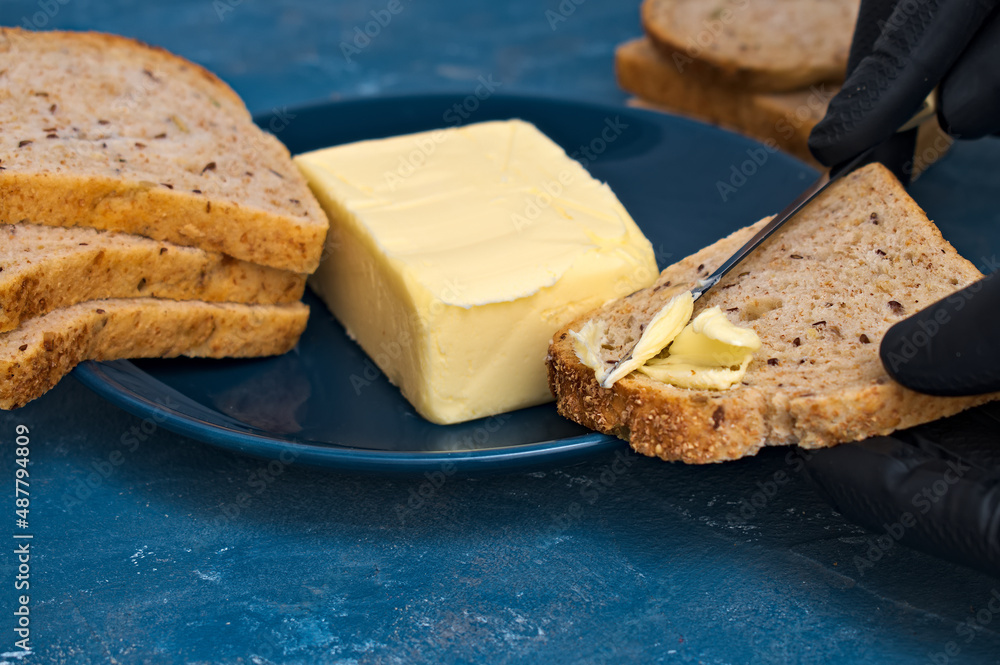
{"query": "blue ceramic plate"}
pixel 686 184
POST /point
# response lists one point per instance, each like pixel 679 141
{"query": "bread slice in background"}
pixel 821 294
pixel 760 45
pixel 44 349
pixel 43 268
pixel 106 132
pixel 785 118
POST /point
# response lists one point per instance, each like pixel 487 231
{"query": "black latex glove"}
pixel 902 50
pixel 935 487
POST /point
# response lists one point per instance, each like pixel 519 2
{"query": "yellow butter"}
pixel 697 377
pixel 710 353
pixel 587 346
pixel 713 324
pixel 712 340
pixel 454 255
pixel 665 325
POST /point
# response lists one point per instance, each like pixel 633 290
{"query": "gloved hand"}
pixel 902 50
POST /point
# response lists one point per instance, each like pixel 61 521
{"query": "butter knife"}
pixel 927 110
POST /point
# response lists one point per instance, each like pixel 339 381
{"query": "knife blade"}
pixel 779 220
pixel 949 348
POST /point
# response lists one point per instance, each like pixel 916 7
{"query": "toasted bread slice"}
pixel 821 294
pixel 783 118
pixel 35 356
pixel 760 45
pixel 43 268
pixel 106 132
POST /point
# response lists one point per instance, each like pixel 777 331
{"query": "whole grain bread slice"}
pixel 43 268
pixel 35 356
pixel 821 294
pixel 107 132
pixel 783 118
pixel 760 45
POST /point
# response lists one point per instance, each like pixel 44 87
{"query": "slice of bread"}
pixel 784 118
pixel 107 132
pixel 44 349
pixel 761 45
pixel 820 293
pixel 43 268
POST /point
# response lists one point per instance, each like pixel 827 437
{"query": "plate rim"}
pixel 332 457
pixel 93 374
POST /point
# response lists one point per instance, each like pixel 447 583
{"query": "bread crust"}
pixel 157 212
pixel 43 268
pixel 9 36
pixel 783 119
pixel 701 426
pixel 35 356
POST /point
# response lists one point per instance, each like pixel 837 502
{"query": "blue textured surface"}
pixel 153 548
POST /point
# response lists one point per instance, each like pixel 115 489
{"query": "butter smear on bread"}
pixel 707 353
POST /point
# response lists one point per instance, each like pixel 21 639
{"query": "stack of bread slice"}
pixel 767 69
pixel 142 213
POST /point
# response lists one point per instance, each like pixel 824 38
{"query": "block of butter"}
pixel 454 255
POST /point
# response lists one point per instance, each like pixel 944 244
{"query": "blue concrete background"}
pixel 166 550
